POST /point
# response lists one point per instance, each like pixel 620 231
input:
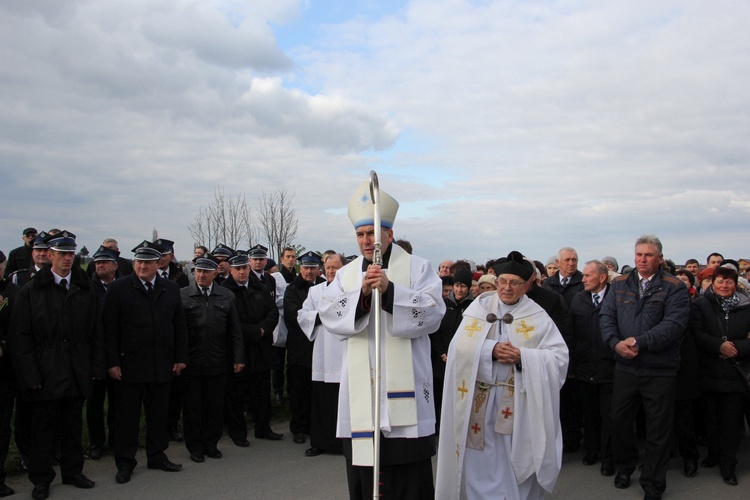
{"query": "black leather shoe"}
pixel 730 479
pixel 5 490
pixel 166 466
pixel 197 457
pixel 176 435
pixel 622 479
pixel 709 462
pixel 41 491
pixel 213 454
pixel 591 458
pixel 79 481
pixel 95 452
pixel 691 468
pixel 313 452
pixel 299 438
pixel 271 436
pixel 242 443
pixel 607 469
pixel 123 476
pixel 651 494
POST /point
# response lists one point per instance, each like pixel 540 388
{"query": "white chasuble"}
pixel 406 404
pixel 328 352
pixel 516 463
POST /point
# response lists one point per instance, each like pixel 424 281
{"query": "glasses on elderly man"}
pixel 501 282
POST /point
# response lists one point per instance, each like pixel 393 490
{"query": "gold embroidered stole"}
pixel 401 403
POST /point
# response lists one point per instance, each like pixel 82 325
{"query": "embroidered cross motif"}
pixel 473 328
pixel 506 412
pixel 511 386
pixel 463 389
pixel 524 329
pixel 476 428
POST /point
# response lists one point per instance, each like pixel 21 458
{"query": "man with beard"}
pixel 299 347
pixel 57 347
pixel 258 316
pixel 500 432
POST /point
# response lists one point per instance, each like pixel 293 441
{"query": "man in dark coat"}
pixel 215 342
pixel 106 270
pixel 258 317
pixel 643 319
pixel 57 348
pixel 592 364
pixel 39 259
pixel 146 339
pixel 20 258
pixel 288 272
pixel 298 347
pixel 7 380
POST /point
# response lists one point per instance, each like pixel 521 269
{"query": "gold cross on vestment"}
pixel 473 328
pixel 463 389
pixel 524 329
pixel 506 412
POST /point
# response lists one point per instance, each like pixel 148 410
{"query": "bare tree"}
pixel 278 220
pixel 225 220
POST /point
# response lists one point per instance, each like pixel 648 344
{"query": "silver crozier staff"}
pixel 377 259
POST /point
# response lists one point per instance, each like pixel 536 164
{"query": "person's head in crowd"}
pixel 649 255
pixel 167 252
pixel 486 283
pixel 688 278
pixel 460 264
pixel 309 266
pixel 289 258
pixel 513 275
pixel 475 288
pixel 223 253
pixel 489 267
pixel 705 277
pixel 462 280
pixel 105 263
pixel 730 263
pixel 239 267
pixel 551 266
pixel 206 270
pixel 693 266
pixel 405 245
pixel 626 269
pixel 112 244
pixel 669 266
pixel 199 251
pixel 724 282
pixel 714 259
pixel 146 260
pixel 447 285
pixel 595 276
pixel 332 264
pixel 611 263
pixel 542 270
pixel 61 252
pixel 567 262
pixel 481 269
pixel 3 262
pixel 258 258
pixel 39 250
pixel 28 236
pixel 271 266
pixel 445 268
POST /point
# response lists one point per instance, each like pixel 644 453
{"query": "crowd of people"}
pixel 511 363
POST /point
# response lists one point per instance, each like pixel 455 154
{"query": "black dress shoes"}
pixel 313 452
pixel 213 454
pixel 123 476
pixel 197 457
pixel 622 479
pixel 41 491
pixel 691 468
pixel 271 436
pixel 591 458
pixel 709 462
pixel 242 443
pixel 95 452
pixel 5 490
pixel 651 494
pixel 166 466
pixel 79 481
pixel 730 478
pixel 608 469
pixel 299 438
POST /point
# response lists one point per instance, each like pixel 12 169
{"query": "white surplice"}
pixel 526 462
pixel 328 352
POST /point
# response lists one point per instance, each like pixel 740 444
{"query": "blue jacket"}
pixel 657 321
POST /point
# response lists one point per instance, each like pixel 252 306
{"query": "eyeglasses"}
pixel 513 283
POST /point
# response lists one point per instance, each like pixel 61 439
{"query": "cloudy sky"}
pixel 498 125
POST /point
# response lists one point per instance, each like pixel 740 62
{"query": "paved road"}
pixel 279 470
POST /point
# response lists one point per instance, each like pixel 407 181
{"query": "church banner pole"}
pixel 377 259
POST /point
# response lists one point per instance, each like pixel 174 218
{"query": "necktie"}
pixel 64 283
pixel 149 288
pixel 263 278
pixel 205 293
pixel 596 300
pixel 164 275
pixel 564 281
pixel 644 286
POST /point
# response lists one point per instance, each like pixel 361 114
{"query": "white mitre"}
pixel 362 211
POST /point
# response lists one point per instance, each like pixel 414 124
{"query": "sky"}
pixel 497 125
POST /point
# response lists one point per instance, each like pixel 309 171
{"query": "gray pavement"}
pixel 280 470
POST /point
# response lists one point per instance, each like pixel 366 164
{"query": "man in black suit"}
pixel 20 258
pixel 146 340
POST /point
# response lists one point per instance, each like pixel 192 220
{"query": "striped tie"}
pixel 596 300
pixel 564 281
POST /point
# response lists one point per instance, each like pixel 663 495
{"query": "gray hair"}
pixel 601 268
pixel 565 249
pixel 650 239
pixel 610 260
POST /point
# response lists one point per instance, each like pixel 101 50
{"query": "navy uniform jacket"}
pixel 144 335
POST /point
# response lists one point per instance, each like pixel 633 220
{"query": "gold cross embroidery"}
pixel 524 329
pixel 463 389
pixel 473 328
